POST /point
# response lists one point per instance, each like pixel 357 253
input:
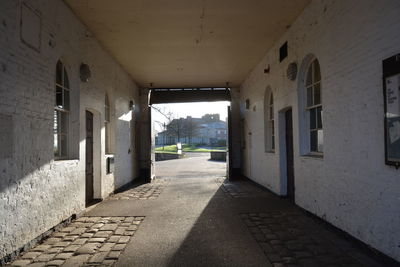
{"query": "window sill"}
pixel 270 151
pixel 65 160
pixel 313 155
pixel 109 155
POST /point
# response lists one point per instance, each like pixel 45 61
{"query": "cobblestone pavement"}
pixel 239 189
pixel 144 191
pixel 293 239
pixel 199 222
pixel 88 241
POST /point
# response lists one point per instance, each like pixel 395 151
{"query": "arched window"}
pixel 269 122
pixel 314 106
pixel 107 124
pixel 61 112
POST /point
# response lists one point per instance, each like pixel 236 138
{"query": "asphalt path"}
pixel 194 165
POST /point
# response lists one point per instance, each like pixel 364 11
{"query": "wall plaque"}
pixel 391 92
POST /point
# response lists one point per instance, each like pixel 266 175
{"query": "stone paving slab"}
pixel 239 189
pixel 294 239
pixel 87 241
pixel 142 192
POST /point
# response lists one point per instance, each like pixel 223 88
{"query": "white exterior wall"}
pixel 36 192
pixel 350 187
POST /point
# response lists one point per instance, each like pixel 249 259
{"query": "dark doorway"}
pixel 289 154
pixel 89 158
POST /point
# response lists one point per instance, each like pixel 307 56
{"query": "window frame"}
pixel 309 108
pixel 107 125
pixel 269 122
pixel 59 111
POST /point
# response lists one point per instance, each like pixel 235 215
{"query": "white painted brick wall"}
pixel 37 192
pixel 351 187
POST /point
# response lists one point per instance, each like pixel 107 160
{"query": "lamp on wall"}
pixel 131 105
pixel 291 71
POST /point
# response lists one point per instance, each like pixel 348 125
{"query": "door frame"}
pixel 282 149
pixel 98 160
pixel 89 185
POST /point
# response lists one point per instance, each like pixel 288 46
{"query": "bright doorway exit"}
pixel 191 139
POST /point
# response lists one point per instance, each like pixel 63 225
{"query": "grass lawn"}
pixel 166 152
pixel 187 148
pixel 170 149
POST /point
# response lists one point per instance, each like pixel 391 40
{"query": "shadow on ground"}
pixel 285 234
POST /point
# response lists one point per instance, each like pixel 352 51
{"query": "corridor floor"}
pixel 196 222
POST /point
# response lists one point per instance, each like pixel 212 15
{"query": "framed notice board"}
pixel 391 92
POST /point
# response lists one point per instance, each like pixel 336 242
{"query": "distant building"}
pixel 207 130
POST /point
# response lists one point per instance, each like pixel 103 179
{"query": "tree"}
pixel 191 128
pixel 176 128
pixel 173 127
pixel 168 115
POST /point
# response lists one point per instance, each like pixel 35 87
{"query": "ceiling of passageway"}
pixel 187 43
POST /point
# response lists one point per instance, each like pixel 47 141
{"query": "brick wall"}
pixel 37 192
pixel 350 187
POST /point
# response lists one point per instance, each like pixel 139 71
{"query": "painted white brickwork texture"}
pixel 36 192
pixel 350 187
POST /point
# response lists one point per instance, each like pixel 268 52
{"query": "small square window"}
pixel 283 52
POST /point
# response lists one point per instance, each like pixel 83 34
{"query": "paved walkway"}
pixel 195 165
pixel 204 221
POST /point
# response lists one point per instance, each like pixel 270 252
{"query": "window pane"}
pixel 59 97
pixel 63 145
pixel 107 137
pixel 313 118
pixel 63 122
pixel 56 119
pixel 66 99
pixel 56 145
pixel 309 96
pixel 320 140
pixel 59 69
pixel 317 94
pixel 107 102
pixel 272 128
pixel 309 76
pixel 273 143
pixel 107 113
pixel 271 113
pixel 66 81
pixel 317 72
pixel 272 135
pixel 319 117
pixel 313 141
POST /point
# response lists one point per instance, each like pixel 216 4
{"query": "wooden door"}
pixel 89 158
pixel 289 154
